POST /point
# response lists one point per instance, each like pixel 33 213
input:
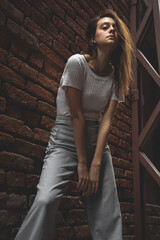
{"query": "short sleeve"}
pixel 73 73
pixel 120 98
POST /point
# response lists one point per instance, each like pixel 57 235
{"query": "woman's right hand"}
pixel 83 177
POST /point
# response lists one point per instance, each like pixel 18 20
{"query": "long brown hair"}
pixel 121 56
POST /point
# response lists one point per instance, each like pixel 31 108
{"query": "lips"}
pixel 112 36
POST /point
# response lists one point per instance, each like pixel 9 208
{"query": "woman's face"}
pixel 106 33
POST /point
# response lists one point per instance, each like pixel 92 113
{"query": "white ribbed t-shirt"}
pixel 96 90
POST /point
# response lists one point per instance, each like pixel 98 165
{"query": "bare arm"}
pixel 103 131
pixel 78 125
pixel 101 142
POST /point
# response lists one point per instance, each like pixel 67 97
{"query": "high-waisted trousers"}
pixel 60 164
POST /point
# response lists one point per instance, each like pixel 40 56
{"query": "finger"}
pixel 79 184
pixel 88 189
pixel 82 184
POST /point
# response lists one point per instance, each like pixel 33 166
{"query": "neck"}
pixel 101 62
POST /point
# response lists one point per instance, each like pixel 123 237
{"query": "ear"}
pixel 93 41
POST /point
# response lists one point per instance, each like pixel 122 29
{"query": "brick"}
pixel 129 238
pixel 50 69
pixel 2 177
pixel 80 10
pixel 128 174
pixel 81 22
pixel 64 233
pixel 113 139
pixel 77 216
pixel 20 96
pixel 12 77
pixel 15 126
pixel 116 131
pixel 14 63
pixel 32 180
pixel 123 126
pixel 28 149
pixel 46 108
pixel 59 77
pixel 128 194
pixel 20 49
pixel 74 48
pixel 31 118
pixel 123 117
pixel 60 220
pixel 68 9
pixel 14 110
pixel 124 144
pixel 23 6
pixel 42 7
pixel 38 32
pixel 62 27
pixel 48 53
pixel 15 179
pixel 41 135
pixel 2 19
pixel 31 199
pixel 121 163
pixel 47 83
pixel 153 220
pixel 126 207
pixel 29 72
pixel 3 56
pixel 5 39
pixel 16 201
pixel 22 34
pixel 16 161
pixel 73 188
pixel 82 231
pixel 56 9
pixel 75 26
pixel 39 92
pixel 121 153
pixel 36 59
pixel 123 109
pixel 89 10
pixel 62 50
pixel 64 40
pixel 127 218
pixel 3 199
pixel 69 202
pixel 38 18
pixel 47 123
pixel 119 172
pixel 82 44
pixel 52 30
pixel 2 104
pixel 124 183
pixel 12 219
pixel 5 139
pixel 3 217
pixel 10 10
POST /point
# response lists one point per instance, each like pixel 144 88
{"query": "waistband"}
pixel 65 119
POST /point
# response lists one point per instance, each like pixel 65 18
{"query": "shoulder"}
pixel 75 58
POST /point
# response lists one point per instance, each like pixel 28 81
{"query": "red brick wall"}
pixel 36 39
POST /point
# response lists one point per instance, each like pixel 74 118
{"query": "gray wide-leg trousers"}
pixel 60 164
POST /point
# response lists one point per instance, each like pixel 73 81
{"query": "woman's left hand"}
pixel 94 179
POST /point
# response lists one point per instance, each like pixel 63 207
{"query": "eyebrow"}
pixel 107 23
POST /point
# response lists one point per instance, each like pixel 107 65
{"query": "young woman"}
pixel 91 86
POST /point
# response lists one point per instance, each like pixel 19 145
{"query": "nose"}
pixel 112 27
